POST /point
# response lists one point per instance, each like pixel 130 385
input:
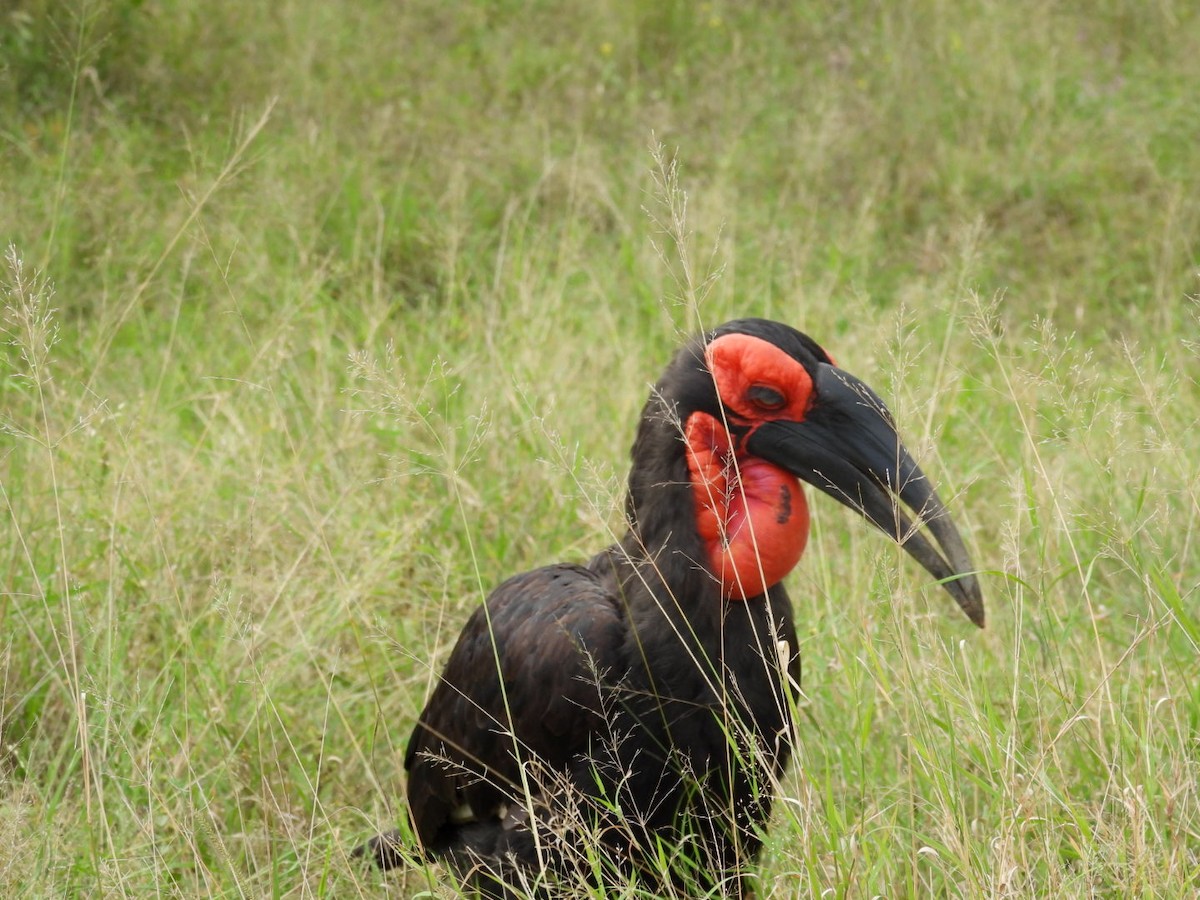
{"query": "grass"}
pixel 320 320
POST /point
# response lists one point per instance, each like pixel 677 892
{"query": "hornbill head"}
pixel 762 405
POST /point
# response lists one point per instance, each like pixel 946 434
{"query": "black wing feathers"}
pixel 549 634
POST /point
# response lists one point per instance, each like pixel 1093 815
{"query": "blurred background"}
pixel 322 318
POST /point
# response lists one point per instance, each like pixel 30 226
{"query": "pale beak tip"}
pixel 967 594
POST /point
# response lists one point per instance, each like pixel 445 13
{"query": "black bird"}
pixel 639 705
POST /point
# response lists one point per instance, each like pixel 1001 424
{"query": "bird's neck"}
pixel 702 513
pixel 751 516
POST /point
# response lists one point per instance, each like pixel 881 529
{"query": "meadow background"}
pixel 319 319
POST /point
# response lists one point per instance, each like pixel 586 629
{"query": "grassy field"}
pixel 322 318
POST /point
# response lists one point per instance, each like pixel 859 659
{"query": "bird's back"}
pixel 574 698
pixel 519 703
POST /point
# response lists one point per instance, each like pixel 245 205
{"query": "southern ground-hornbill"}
pixel 640 705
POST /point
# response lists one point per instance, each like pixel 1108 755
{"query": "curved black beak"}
pixel 848 447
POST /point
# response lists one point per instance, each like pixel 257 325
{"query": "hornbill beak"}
pixel 848 447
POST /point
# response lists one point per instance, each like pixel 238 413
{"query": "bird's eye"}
pixel 766 397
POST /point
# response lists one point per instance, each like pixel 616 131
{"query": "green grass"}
pixel 321 319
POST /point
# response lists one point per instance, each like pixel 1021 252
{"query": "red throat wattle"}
pixel 751 515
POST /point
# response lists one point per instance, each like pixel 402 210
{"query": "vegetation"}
pixel 320 319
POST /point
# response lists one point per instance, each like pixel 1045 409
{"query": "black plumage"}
pixel 631 704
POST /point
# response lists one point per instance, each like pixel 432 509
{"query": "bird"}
pixel 630 718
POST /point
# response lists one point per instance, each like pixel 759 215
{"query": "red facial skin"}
pixel 750 514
